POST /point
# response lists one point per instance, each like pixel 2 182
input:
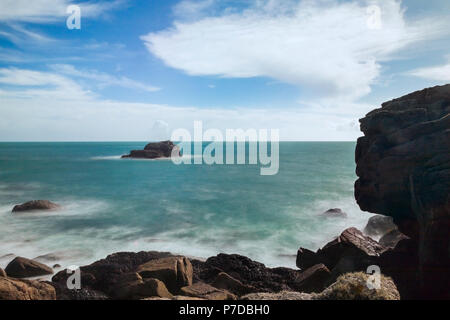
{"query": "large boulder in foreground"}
pixel 36 205
pixel 14 289
pixel 350 286
pixel 403 165
pixel 175 272
pixel 100 278
pixel 254 275
pixel 351 251
pixel 155 150
pixel 354 286
pixel 25 268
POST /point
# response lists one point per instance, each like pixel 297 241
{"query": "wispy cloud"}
pixel 436 73
pixel 28 84
pixel 325 46
pixel 52 106
pixel 102 79
pixel 39 11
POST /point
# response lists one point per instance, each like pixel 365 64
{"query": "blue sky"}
pixel 136 70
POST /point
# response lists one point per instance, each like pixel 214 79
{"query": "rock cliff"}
pixel 403 165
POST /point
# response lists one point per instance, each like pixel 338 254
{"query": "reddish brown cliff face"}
pixel 403 165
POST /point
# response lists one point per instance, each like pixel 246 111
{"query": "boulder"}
pixel 390 239
pixel 99 278
pixel 354 286
pixel 25 268
pixel 253 274
pixel 133 286
pixel 14 289
pixel 175 272
pixel 313 279
pixel 36 205
pixel 205 291
pixel 227 282
pixel 155 150
pixel 379 225
pixel 403 165
pixel 352 245
pixel 335 213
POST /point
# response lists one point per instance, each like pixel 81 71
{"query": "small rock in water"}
pixel 36 205
pixel 335 213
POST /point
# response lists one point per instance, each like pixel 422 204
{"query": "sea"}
pixel 111 204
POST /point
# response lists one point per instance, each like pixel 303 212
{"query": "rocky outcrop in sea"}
pixel 155 150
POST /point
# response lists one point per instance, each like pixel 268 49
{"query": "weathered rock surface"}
pixel 227 282
pixel 403 165
pixel 314 279
pixel 351 251
pixel 283 295
pixel 155 150
pixel 36 205
pixel 354 286
pixel 14 289
pixel 350 286
pixel 24 268
pixel 205 291
pixel 335 213
pixel 255 275
pixel 175 272
pixel 99 278
pixel 133 286
pixel 379 225
pixel 390 239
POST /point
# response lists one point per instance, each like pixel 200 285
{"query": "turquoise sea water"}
pixel 112 204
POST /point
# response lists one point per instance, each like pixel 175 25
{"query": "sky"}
pixel 138 70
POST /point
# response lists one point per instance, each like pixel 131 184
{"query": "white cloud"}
pixel 325 46
pixel 102 79
pixel 28 84
pixel 189 9
pixel 38 11
pixel 46 106
pixel 435 73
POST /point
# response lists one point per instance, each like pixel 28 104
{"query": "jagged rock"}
pixel 133 286
pixel 335 213
pixel 354 286
pixel 313 279
pixel 227 282
pixel 100 277
pixel 391 238
pixel 283 295
pixel 14 289
pixel 175 272
pixel 205 291
pixel 36 205
pixel 25 268
pixel 379 225
pixel 352 244
pixel 63 293
pixel 403 165
pixel 155 150
pixel 251 273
